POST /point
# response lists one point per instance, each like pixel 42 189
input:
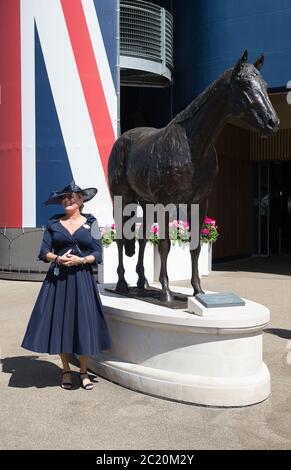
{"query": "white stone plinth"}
pixel 213 360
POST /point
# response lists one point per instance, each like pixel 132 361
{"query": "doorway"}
pixel 272 207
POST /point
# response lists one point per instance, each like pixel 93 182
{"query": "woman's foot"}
pixel 66 380
pixel 85 381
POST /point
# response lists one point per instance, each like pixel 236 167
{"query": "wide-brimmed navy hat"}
pixel 56 196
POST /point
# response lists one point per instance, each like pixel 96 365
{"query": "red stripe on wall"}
pixel 10 115
pixel 90 78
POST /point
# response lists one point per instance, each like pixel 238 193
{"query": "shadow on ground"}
pixel 269 265
pixel 286 334
pixel 30 371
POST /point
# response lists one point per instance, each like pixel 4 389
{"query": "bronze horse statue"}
pixel 178 163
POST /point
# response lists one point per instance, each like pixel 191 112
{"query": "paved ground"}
pixel 36 413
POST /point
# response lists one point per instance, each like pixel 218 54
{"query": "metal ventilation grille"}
pixel 140 29
pixel 169 39
pixel 146 37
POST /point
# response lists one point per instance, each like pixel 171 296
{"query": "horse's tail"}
pixel 118 181
pixel 129 246
pixel 117 164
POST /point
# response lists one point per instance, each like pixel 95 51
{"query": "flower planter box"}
pixel 108 270
pixel 179 259
pixel 179 262
pixel 178 265
pixel 205 259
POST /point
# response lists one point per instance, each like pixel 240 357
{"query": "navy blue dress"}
pixel 68 316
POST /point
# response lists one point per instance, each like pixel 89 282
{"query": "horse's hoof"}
pixel 166 297
pixel 142 284
pixel 198 291
pixel 121 286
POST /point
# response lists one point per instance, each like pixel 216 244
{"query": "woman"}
pixel 67 316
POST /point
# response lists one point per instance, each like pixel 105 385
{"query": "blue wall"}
pixel 210 35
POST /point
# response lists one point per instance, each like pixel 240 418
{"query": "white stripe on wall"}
pixel 28 113
pixel 71 106
pixel 101 60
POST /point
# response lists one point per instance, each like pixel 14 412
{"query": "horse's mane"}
pixel 195 105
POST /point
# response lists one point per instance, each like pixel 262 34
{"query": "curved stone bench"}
pixel 211 360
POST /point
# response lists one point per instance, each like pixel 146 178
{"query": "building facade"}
pixel 61 66
pixel 251 199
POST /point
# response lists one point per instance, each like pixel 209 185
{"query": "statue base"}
pixel 152 295
pixel 213 360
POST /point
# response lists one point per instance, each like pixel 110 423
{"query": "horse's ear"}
pixel 244 56
pixel 260 61
pixel 241 60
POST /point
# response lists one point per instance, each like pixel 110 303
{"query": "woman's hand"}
pixel 63 259
pixel 72 260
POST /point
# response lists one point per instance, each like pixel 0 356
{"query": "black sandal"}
pixel 66 385
pixel 88 386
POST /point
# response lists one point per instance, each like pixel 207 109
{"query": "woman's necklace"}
pixel 73 220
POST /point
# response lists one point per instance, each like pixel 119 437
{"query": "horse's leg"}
pixel 142 282
pixel 121 285
pixel 195 280
pixel 164 248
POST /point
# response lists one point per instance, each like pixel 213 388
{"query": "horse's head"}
pixel 248 98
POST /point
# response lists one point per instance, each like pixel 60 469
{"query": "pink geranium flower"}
pixel 179 232
pixel 207 220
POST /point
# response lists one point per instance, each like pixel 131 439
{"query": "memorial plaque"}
pixel 223 299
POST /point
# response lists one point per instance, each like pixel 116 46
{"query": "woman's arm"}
pixel 46 246
pixel 74 260
pixel 90 259
pixel 96 246
pixel 50 256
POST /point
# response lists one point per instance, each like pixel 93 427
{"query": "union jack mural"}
pixel 58 111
